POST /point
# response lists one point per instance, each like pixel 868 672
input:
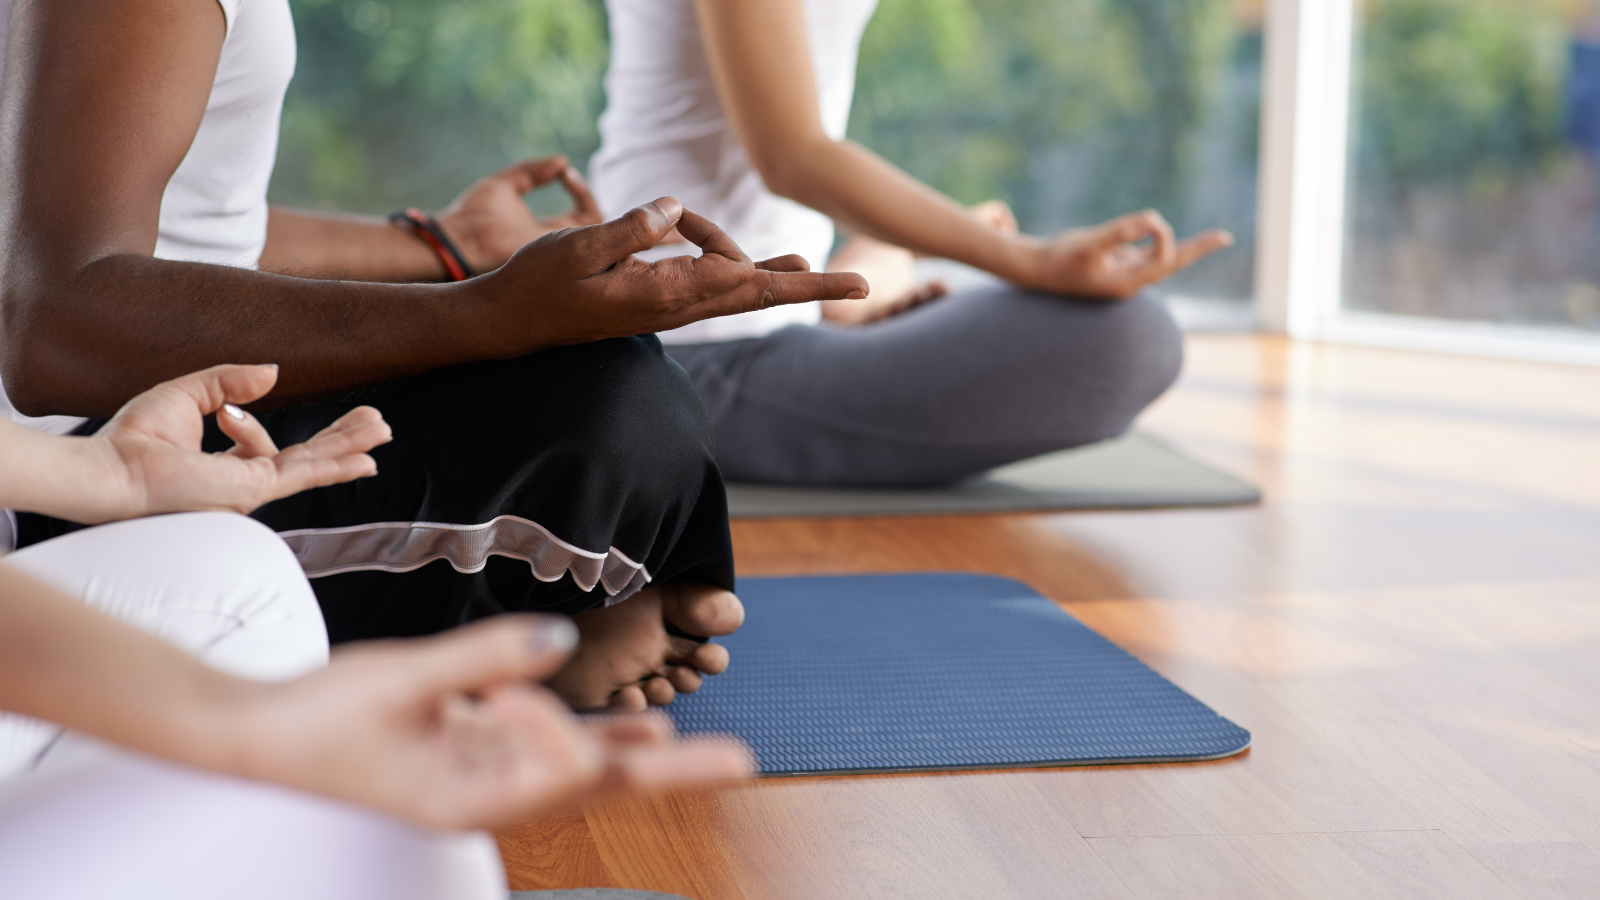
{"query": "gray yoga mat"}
pixel 1135 471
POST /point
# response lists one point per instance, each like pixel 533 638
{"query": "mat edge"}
pixel 1051 764
pixel 1010 511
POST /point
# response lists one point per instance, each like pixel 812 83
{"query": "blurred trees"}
pixel 967 93
pixel 404 102
pixel 1072 110
pixel 1459 90
pixel 1470 194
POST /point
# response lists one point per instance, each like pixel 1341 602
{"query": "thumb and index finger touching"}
pixel 532 174
pixel 1167 253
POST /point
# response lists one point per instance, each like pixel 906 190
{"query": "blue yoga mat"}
pixel 897 673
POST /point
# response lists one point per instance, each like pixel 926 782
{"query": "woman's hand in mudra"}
pixel 147 459
pixel 1114 260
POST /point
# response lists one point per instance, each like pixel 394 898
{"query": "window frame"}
pixel 1300 214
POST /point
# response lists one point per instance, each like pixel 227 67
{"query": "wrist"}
pixel 224 725
pixel 80 479
pixel 1018 259
pixel 427 230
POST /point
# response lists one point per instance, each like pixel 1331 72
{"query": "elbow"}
pixel 789 168
pixel 20 351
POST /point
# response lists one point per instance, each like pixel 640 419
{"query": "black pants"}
pixel 555 482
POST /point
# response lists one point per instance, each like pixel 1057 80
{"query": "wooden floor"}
pixel 1409 625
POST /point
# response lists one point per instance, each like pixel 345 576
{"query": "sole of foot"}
pixel 626 658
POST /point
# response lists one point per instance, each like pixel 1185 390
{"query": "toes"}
pixel 630 699
pixel 712 659
pixel 658 691
pixel 702 609
pixel 684 679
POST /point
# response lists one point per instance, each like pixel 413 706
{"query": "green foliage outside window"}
pixel 1460 90
pixel 1072 110
pixel 1469 198
pixel 399 102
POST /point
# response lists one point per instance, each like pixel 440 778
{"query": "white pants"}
pixel 81 819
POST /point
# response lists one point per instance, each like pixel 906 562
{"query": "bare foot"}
pixel 890 271
pixel 627 660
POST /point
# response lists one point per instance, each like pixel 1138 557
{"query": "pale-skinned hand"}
pixel 454 731
pixel 996 214
pixel 585 284
pixel 1114 260
pixel 147 459
pixel 489 221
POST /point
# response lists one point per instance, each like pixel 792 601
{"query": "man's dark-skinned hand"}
pixel 608 292
pixel 101 101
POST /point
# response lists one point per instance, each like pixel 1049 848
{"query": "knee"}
pixel 244 546
pixel 646 415
pixel 1141 348
pixel 1151 341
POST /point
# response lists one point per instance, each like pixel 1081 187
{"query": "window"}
pixel 1071 110
pixel 1474 191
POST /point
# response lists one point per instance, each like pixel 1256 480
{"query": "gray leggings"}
pixel 985 377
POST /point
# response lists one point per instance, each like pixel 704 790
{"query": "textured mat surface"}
pixel 883 673
pixel 1131 472
pixel 592 894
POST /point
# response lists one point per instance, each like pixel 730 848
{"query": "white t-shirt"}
pixel 664 132
pixel 214 209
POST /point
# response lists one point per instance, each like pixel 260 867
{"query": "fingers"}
pixel 475 657
pixel 357 431
pixel 531 174
pixel 335 454
pixel 1136 227
pixel 1206 242
pixel 249 438
pixel 793 262
pixel 781 288
pixel 599 247
pixel 585 208
pixel 210 388
pixel 700 231
pixel 698 759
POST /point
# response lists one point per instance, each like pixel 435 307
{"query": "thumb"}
pixel 210 388
pixel 478 656
pixel 598 247
pixel 1124 229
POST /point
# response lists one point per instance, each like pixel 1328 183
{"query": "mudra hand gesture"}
pixel 147 459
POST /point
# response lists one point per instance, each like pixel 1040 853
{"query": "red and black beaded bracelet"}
pixel 427 228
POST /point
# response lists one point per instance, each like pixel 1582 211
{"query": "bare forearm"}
pixel 866 193
pixel 84 342
pixel 59 476
pixel 358 248
pixel 65 663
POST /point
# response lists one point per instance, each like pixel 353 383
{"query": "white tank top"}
pixel 214 209
pixel 664 132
